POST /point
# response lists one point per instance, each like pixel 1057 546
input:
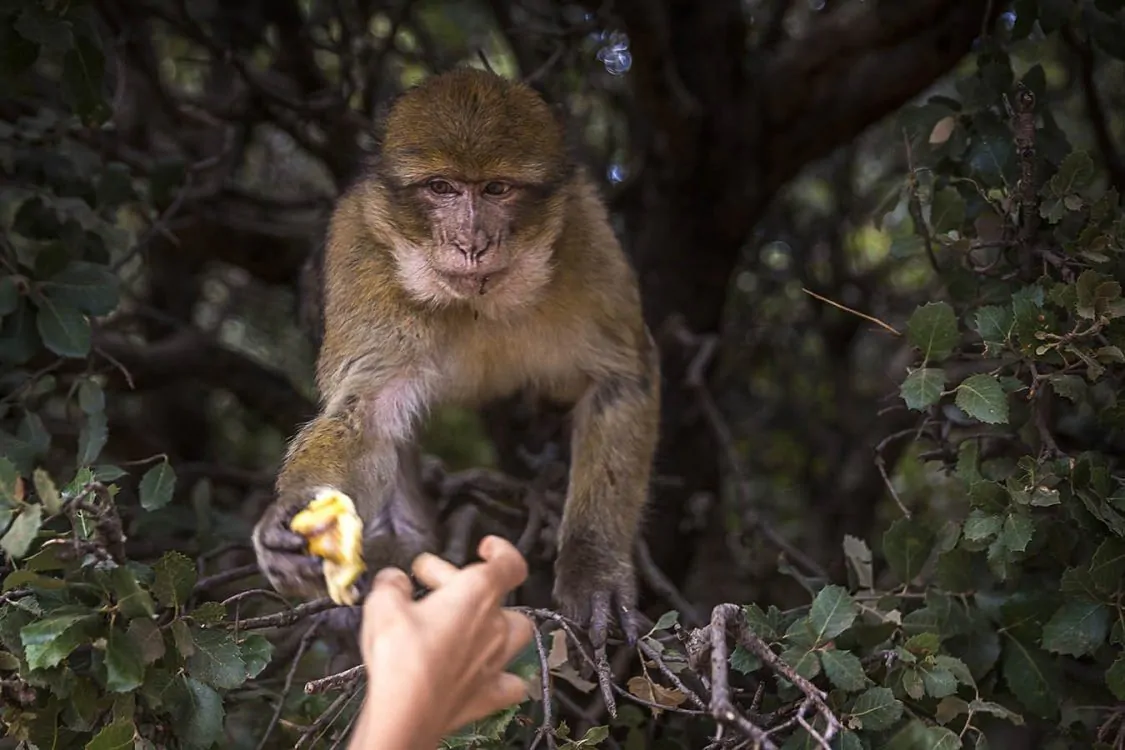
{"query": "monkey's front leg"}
pixel 334 450
pixel 615 433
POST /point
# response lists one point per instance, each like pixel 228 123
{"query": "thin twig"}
pixel 280 619
pixel 289 677
pixel 722 707
pixel 547 728
pixel 865 316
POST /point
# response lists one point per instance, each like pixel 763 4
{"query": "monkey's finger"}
pixel 507 567
pixel 433 571
pixel 599 619
pixel 626 617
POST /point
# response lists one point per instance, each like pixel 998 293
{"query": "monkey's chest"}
pixel 495 363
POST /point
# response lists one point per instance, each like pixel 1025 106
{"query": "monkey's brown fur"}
pixel 473 260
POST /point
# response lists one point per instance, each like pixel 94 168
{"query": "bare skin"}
pixel 436 664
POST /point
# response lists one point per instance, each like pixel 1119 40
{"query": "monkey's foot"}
pixel 597 597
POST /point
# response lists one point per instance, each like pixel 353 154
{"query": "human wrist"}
pixel 392 725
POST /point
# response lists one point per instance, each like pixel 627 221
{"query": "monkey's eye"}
pixel 497 188
pixel 441 187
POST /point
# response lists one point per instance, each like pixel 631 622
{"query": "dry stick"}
pixel 281 619
pixel 304 644
pixel 865 316
pixel 814 695
pixel 330 715
pixel 547 728
pixel 722 708
pixel 345 680
pixel 657 659
pixel 694 378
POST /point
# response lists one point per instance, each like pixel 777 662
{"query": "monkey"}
pixel 472 259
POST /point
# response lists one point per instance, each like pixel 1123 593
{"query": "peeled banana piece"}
pixel 335 534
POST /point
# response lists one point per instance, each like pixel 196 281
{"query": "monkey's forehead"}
pixel 476 126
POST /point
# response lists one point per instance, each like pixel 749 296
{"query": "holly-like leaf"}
pixel 209 613
pixel 843 669
pixel 132 600
pixel 199 714
pixel 92 438
pixel 125 671
pixel 65 330
pixel 256 653
pixel 982 397
pixel 933 329
pixel 47 491
pixel 744 661
pixel 907 545
pixel 833 611
pixel 994 324
pixel 147 639
pixel 1070 387
pixel 22 532
pixel 91 397
pixel 1074 174
pixel 88 287
pixel 11 485
pixel 157 486
pixel 1077 628
pixel 922 388
pixel 876 709
pixel 1031 676
pixel 1107 567
pixel 981 526
pixel 938 681
pixel 175 577
pixel 1017 532
pixel 49 640
pixel 667 620
pixel 116 736
pixel 217 660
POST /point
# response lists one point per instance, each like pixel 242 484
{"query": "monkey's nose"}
pixel 472 250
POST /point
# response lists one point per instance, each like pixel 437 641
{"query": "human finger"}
pixel 433 571
pixel 500 691
pixel 506 567
pixel 391 587
pixel 521 630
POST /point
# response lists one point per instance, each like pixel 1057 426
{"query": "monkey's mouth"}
pixel 471 283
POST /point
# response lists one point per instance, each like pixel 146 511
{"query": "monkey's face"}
pixel 474 165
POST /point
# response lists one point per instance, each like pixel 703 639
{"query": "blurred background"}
pixel 751 152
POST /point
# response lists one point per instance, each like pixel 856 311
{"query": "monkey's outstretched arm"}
pixel 615 434
pixel 335 450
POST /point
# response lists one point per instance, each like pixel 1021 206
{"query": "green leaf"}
pixel 1078 628
pixel 125 671
pixel 22 532
pixel 981 526
pixel 257 652
pixel 1107 567
pixel 91 397
pixel 843 669
pixel 667 620
pixel 939 682
pixel 11 486
pixel 157 486
pixel 217 660
pixel 1115 677
pixel 803 660
pixel 175 577
pixel 947 212
pixel 833 611
pixel 49 640
pixel 132 600
pixel 148 640
pixel 982 397
pixel 876 709
pixel 940 738
pixel 115 736
pixel 92 438
pixel 47 491
pixel 65 331
pixel 1031 676
pixel 744 661
pixel 994 324
pixel 995 709
pixel 858 555
pixel 1017 532
pixel 199 715
pixel 933 329
pixel 922 388
pixel 209 613
pixel 84 286
pixel 907 545
pixel 1075 173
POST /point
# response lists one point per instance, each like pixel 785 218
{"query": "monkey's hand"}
pixel 309 549
pixel 596 589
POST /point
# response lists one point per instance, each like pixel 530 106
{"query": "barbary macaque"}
pixel 472 259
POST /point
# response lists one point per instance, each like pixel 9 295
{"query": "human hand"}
pixel 437 664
